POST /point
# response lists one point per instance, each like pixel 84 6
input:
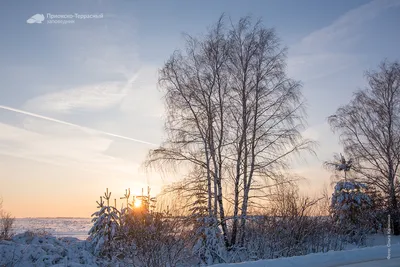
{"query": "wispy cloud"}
pixel 74 125
pixel 84 151
pixel 311 67
pixel 92 98
pixel 330 50
pixel 344 28
pixel 144 98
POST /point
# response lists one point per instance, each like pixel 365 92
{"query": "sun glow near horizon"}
pixel 137 203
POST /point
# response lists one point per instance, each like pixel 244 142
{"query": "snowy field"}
pixel 59 227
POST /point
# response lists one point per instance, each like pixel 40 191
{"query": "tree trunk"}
pixel 394 212
pixel 209 203
pixel 236 201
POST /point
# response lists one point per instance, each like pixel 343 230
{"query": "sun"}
pixel 138 203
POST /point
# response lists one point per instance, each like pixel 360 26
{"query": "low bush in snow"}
pixel 6 223
pixel 291 228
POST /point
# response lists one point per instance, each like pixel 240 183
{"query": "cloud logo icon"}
pixel 38 18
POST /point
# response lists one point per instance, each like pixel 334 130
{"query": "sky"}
pixel 80 106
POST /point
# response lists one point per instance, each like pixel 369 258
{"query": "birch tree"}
pixel 369 128
pixel 233 111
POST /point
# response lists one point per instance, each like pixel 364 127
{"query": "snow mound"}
pixel 29 249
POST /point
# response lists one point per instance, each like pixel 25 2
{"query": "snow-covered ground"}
pixel 371 256
pixel 394 262
pixel 361 257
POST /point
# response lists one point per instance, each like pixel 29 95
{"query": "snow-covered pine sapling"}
pixel 107 196
pixel 105 228
pixel 125 211
pixel 151 201
pixel 351 207
pixel 148 203
pixel 101 203
pixel 209 246
pixel 126 196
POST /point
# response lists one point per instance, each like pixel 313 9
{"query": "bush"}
pixel 294 225
pixel 138 236
pixel 6 224
pixel 209 246
pixel 155 238
pixel 270 237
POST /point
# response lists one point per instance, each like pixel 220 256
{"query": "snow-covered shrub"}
pixel 137 235
pixel 294 225
pixel 105 228
pixel 270 237
pixel 123 248
pixel 30 249
pixel 351 209
pixel 209 246
pixel 206 236
pixel 154 239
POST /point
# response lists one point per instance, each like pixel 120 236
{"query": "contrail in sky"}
pixel 73 125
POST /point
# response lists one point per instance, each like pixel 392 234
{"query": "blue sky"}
pixel 102 73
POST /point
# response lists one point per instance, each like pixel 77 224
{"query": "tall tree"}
pixel 369 128
pixel 231 110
